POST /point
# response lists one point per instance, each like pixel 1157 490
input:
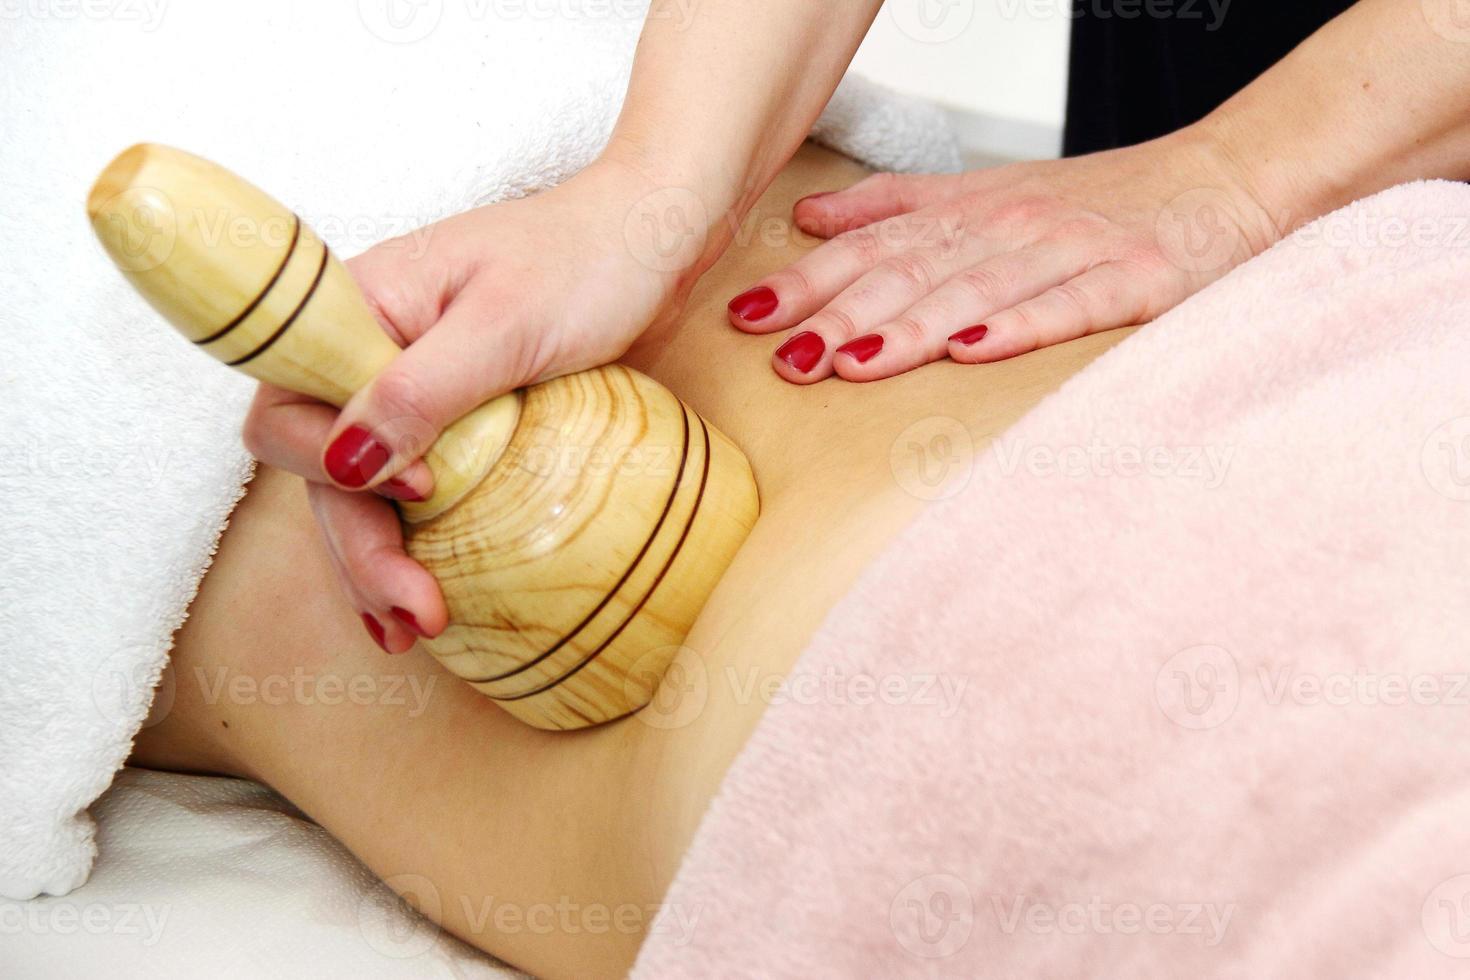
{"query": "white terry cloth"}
pixel 186 860
pixel 119 453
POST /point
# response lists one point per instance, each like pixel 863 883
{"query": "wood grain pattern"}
pixel 576 527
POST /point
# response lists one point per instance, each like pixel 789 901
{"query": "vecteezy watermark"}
pixel 1200 231
pixel 132 676
pixel 1367 229
pixel 63 917
pixel 1450 19
pixel 667 229
pixel 1211 12
pixel 932 21
pixel 678 681
pixel 145 463
pixel 1204 465
pixel 147 14
pixel 1286 685
pixel 303 687
pixel 681 682
pixel 933 458
pixel 397 918
pixel 1445 459
pixel 1096 916
pixel 1445 917
pixel 142 224
pixel 1198 687
pixel 830 686
pixel 933 916
pixel 408 21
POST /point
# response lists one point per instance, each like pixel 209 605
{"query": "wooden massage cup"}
pixel 576 526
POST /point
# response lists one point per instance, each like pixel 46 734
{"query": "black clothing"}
pixel 1143 68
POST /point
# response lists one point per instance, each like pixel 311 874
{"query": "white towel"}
pixel 119 451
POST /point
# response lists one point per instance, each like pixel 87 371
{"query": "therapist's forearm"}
pixel 722 95
pixel 1379 96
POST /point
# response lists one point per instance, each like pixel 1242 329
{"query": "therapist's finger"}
pixel 397 600
pixel 481 347
pixel 1109 296
pixel 287 431
pixel 871 199
pixel 921 333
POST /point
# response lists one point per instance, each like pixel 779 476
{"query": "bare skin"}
pixel 468 811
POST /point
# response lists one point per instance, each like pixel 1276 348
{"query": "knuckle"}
pixel 256 434
pixel 982 282
pixel 1022 210
pixel 910 327
pixel 913 270
pixel 794 283
pixel 835 321
pixel 861 244
pixel 399 396
pixel 1075 298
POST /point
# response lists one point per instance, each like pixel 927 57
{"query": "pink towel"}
pixel 1196 635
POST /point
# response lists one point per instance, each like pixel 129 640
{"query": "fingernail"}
pixel 354 457
pixel 862 348
pixel 802 351
pixel 376 629
pixel 396 489
pixel 970 335
pixel 754 304
pixel 407 619
pixel 813 197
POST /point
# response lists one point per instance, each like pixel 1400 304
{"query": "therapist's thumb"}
pixel 461 362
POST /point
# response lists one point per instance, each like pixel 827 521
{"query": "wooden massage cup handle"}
pixel 576 526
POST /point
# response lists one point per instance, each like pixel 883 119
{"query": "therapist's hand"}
pixel 483 302
pixel 990 264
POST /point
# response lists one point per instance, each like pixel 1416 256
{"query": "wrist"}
pixel 1267 194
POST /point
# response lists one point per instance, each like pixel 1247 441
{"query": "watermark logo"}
pixel 1210 12
pixel 1207 466
pixel 1445 459
pixel 127 678
pixel 666 231
pixel 147 14
pixel 389 919
pixel 679 679
pixel 139 921
pixel 934 458
pixel 400 21
pixel 1450 19
pixel 141 226
pixel 932 917
pixel 303 687
pixel 1446 917
pixel 1198 687
pixel 1209 920
pixel 1198 231
pixel 932 21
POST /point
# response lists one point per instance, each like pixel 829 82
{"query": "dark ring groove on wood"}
pixel 679 547
pixel 632 567
pixel 290 250
pixel 315 282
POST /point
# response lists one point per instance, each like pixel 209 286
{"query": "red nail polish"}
pixel 754 304
pixel 970 335
pixel 407 619
pixel 396 489
pixel 376 629
pixel 802 351
pixel 354 457
pixel 863 348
